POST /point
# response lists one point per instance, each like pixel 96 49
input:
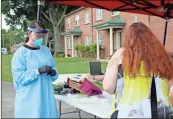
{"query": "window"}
pixel 119 39
pixel 87 17
pixel 88 40
pixel 99 14
pixel 77 20
pixel 115 13
pixel 68 23
pixel 135 19
pixel 101 39
pixel 69 43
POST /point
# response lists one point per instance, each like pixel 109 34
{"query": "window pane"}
pixel 99 14
pixel 90 40
pixel 87 40
pixel 120 39
pixel 85 20
pixel 77 20
pixel 68 23
pixel 87 15
pixel 135 19
pixel 114 13
pixel 69 43
pixel 100 39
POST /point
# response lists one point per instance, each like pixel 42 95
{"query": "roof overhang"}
pixel 76 31
pixel 117 22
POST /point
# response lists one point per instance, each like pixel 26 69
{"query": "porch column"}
pixel 72 40
pixel 65 45
pixel 111 41
pixel 98 48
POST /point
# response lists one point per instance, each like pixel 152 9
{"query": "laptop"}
pixel 95 68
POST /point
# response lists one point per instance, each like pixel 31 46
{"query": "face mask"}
pixel 38 42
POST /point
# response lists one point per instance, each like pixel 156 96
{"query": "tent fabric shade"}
pixel 160 8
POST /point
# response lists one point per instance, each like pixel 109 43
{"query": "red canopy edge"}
pixel 160 8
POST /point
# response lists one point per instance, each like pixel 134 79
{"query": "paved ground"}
pixel 8 95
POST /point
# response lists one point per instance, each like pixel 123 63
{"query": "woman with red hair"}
pixel 142 57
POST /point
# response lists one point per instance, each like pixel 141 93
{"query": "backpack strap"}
pixel 120 75
pixel 154 112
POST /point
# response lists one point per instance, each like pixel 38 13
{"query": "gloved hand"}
pixel 44 69
pixel 52 72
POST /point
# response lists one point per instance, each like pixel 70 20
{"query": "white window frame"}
pixel 68 23
pixel 88 40
pixel 99 14
pixel 69 43
pixel 115 13
pixel 87 17
pixel 77 18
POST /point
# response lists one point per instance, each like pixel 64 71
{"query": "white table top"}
pixel 63 78
pixel 98 105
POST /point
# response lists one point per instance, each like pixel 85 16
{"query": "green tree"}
pixel 12 36
pixel 19 12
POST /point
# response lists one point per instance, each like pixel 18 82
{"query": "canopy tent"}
pixel 160 8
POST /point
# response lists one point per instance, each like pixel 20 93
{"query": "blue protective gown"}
pixel 34 91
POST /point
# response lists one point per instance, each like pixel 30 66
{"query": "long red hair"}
pixel 141 45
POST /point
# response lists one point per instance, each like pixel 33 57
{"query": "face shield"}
pixel 39 33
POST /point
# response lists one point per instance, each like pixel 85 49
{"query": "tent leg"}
pixel 166 25
pixel 38 10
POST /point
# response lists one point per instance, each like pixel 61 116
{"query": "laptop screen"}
pixel 95 68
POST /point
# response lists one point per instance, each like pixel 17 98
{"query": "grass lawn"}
pixel 64 65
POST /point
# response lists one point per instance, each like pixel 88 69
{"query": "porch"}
pixel 71 40
pixel 113 27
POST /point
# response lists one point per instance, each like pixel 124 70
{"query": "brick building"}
pixel 90 25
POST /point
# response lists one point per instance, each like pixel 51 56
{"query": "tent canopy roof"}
pixel 160 8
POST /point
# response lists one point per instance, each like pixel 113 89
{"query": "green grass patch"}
pixel 64 66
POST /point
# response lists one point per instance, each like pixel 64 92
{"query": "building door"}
pixel 76 42
pixel 114 41
pixel 119 39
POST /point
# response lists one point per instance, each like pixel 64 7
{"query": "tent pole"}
pixel 166 25
pixel 38 10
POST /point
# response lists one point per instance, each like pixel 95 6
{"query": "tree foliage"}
pixel 11 37
pixel 20 12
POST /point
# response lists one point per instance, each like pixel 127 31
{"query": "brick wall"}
pixel 156 24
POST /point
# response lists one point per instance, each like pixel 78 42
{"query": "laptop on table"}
pixel 95 68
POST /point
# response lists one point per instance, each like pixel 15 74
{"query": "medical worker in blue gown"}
pixel 33 70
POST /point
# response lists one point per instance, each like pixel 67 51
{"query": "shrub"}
pixel 60 55
pixel 86 51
